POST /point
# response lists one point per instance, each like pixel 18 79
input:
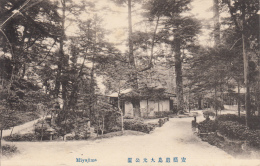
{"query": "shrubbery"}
pixel 116 128
pixel 159 114
pixel 232 127
pixel 207 126
pixel 209 113
pixel 9 150
pixel 138 125
pixel 253 138
pixel 229 117
pixel 65 127
pixel 23 117
pixel 233 130
pixel 253 122
pixel 162 114
pixel 24 137
pixel 40 129
pixel 112 119
pixel 77 137
pixel 71 137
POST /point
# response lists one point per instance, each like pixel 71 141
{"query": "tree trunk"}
pixel 92 78
pixel 246 69
pixel 217 41
pixel 57 82
pixel 130 40
pixel 136 107
pixel 178 72
pixel 258 98
pixel 189 99
pixel 62 59
pixel 1 134
pixel 42 131
pixel 65 61
pixel 122 122
pixel 12 131
pixel 133 76
pixel 258 87
pixel 92 91
pixel 238 99
pixel 215 100
pixel 134 79
pixel 119 108
pixel 199 103
pixel 216 22
pixel 103 125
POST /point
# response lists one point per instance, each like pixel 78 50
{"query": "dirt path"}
pixel 174 139
pixel 22 129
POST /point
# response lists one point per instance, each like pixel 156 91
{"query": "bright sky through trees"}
pixel 115 20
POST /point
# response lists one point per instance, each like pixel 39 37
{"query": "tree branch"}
pixel 150 65
pixel 232 15
pixel 234 44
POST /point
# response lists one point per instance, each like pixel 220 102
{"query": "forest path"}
pixel 27 127
pixel 174 139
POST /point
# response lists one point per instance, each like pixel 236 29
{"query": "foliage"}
pixel 162 114
pixel 247 10
pixel 230 127
pixel 70 137
pixel 253 138
pixel 217 104
pixel 209 113
pixel 7 118
pixel 208 70
pixel 22 36
pixel 9 150
pixel 228 117
pixel 138 125
pixel 207 126
pixel 253 122
pixel 219 69
pixel 22 117
pixel 179 32
pixel 112 121
pixel 80 130
pixel 80 136
pixel 162 121
pixel 22 137
pixel 65 126
pixel 39 62
pixel 233 130
pixel 40 130
pixel 108 115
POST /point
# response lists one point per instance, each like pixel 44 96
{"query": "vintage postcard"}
pixel 129 83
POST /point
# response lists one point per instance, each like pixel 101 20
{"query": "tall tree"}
pixel 214 70
pixel 24 39
pixel 132 62
pixel 21 34
pixel 69 12
pixel 244 15
pixel 179 32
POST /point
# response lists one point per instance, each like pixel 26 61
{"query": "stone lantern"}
pixel 51 132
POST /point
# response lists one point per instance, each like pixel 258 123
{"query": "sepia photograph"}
pixel 129 83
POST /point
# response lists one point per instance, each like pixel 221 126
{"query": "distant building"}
pixel 151 100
